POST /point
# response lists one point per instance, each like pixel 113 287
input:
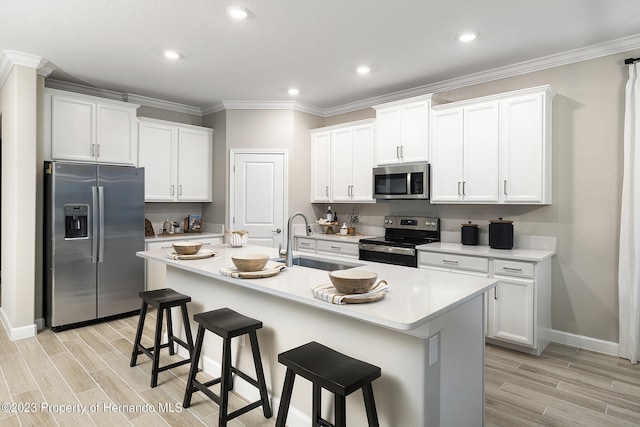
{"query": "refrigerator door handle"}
pixel 101 201
pixel 94 222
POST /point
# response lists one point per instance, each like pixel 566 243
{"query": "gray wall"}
pixel 587 184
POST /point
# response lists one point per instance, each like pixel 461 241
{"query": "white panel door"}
pixel 446 155
pixel 362 182
pixel 157 145
pixel 72 129
pixel 321 167
pixel 115 134
pixel 415 132
pixel 258 195
pixel 481 155
pixel 341 164
pixel 195 152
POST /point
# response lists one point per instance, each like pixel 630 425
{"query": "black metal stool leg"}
pixel 156 349
pixel 172 351
pixel 136 342
pixel 187 328
pixel 316 406
pixel 225 382
pixel 262 384
pixel 195 357
pixel 340 411
pixel 370 405
pixel 285 400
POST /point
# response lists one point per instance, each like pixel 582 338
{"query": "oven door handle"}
pixel 387 249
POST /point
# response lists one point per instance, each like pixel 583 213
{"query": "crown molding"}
pixel 165 105
pixel 577 55
pixel 84 89
pixel 9 58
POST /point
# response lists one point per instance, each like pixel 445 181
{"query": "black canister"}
pixel 469 234
pixel 501 234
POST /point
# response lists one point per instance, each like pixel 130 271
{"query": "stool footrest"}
pixel 203 387
pixel 174 365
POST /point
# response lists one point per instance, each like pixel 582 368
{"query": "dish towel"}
pixel 330 294
pixel 271 268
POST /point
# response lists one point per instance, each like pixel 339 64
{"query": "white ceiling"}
pixel 313 45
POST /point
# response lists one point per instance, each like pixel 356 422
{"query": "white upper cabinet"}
pixel 178 161
pixel 402 130
pixel 342 162
pixel 321 166
pixel 90 129
pixel 526 148
pixel 464 154
pixel 495 149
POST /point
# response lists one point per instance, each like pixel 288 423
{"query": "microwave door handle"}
pixel 408 183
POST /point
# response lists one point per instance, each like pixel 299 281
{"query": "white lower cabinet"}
pixel 155 272
pixel 518 309
pixel 328 247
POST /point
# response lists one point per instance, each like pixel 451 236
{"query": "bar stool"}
pixel 227 324
pixel 333 371
pixel 163 300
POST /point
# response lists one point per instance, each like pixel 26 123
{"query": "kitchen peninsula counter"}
pixel 426 334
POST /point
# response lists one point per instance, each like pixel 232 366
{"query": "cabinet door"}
pixel 341 164
pixel 415 132
pixel 388 135
pixel 511 311
pixel 157 145
pixel 446 155
pixel 72 129
pixel 116 130
pixel 523 147
pixel 195 150
pixel 362 181
pixel 321 167
pixel 481 155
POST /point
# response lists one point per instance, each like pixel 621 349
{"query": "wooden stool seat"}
pixel 333 371
pixel 163 300
pixel 227 324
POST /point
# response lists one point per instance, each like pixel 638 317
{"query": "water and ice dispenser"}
pixel 76 221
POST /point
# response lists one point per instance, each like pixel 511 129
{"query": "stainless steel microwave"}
pixel 401 181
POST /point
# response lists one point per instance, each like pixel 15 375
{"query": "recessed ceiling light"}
pixel 363 69
pixel 172 54
pixel 468 36
pixel 293 91
pixel 238 12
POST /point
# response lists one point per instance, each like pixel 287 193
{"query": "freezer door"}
pixel 71 279
pixel 120 271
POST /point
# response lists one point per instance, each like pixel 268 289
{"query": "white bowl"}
pixel 352 281
pixel 250 262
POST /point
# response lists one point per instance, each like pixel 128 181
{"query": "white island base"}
pixel 432 371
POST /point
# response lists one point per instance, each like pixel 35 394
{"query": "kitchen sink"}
pixel 320 264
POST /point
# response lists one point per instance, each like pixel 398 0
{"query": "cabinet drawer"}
pixel 333 248
pixel 308 245
pixel 513 268
pixel 450 261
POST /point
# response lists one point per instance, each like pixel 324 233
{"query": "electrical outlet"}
pixel 433 350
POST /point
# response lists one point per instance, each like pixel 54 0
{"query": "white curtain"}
pixel 629 264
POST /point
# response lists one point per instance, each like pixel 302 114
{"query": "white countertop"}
pixel 336 237
pixel 183 236
pixel 415 296
pixel 535 255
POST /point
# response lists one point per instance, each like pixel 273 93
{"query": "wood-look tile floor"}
pixel 45 381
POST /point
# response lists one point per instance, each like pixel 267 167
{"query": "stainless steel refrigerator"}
pixel 94 225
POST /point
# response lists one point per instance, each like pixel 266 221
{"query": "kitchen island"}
pixel 427 334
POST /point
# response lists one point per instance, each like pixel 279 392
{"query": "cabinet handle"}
pixel 512 269
pixel 336 247
pixel 459 194
pixel 326 191
pixel 305 244
pixel 173 190
pixel 402 152
pixel 398 152
pixel 97 150
pixel 464 184
pixel 180 190
pixel 448 261
pixel 504 187
pixel 495 292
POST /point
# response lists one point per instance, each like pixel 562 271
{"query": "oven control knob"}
pixel 390 221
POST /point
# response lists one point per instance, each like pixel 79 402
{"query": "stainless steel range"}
pixel 401 236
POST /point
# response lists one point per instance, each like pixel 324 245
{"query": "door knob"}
pixel 277 230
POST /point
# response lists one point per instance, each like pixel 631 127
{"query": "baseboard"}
pixel 40 323
pixel 587 343
pixel 15 334
pixel 295 418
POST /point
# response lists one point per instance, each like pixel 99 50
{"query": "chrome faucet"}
pixel 289 251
